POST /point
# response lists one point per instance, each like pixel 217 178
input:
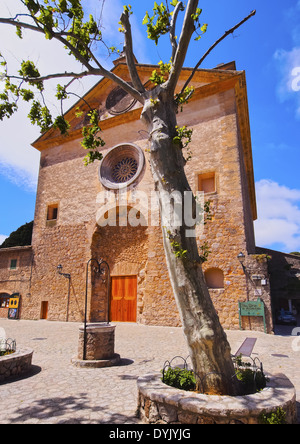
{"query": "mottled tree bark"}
pixel 206 339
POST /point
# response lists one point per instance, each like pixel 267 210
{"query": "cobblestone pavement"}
pixel 59 393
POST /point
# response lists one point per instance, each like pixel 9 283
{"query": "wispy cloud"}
pixel 288 61
pixel 288 66
pixel 278 216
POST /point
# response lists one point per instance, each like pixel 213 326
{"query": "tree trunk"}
pixel 207 341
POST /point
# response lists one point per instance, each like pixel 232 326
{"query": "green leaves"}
pixel 32 6
pixel 162 77
pixel 184 136
pixel 198 26
pixel 61 92
pixel 82 35
pixel 159 23
pixel 29 71
pixel 91 138
pixel 184 97
pixel 40 115
pixel 66 16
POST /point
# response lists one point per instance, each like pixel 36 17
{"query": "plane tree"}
pixel 80 34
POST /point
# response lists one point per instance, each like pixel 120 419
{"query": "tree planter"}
pixel 161 404
pixel 15 364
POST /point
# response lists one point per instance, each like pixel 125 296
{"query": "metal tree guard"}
pixel 100 267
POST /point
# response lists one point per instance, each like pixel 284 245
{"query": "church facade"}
pixel 75 202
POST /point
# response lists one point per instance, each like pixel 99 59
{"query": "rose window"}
pixel 122 166
pixel 125 170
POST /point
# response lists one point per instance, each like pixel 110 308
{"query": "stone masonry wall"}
pixel 18 280
pixel 74 237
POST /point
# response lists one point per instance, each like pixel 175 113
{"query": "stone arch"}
pixel 125 249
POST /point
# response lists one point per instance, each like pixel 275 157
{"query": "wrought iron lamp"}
pixel 59 270
pixel 67 276
pixel 241 257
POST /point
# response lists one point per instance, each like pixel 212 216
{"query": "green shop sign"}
pixel 252 308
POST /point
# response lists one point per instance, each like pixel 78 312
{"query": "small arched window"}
pixel 214 278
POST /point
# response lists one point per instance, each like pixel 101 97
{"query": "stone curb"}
pixel 15 364
pixel 159 403
pixel 114 360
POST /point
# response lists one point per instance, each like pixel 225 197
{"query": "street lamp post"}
pixel 67 276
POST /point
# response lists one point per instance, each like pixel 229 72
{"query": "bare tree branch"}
pixel 54 76
pixel 179 7
pixel 57 36
pixel 227 33
pixel 128 48
pixel 101 71
pixel 186 35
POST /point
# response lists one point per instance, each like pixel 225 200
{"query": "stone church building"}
pixel 68 223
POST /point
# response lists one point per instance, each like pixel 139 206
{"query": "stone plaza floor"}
pixel 58 393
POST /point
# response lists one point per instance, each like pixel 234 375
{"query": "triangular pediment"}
pixel 115 106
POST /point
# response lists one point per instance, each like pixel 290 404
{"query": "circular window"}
pixel 122 166
pixel 119 102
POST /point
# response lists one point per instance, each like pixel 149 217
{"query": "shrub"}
pixel 277 417
pixel 180 378
pixel 252 380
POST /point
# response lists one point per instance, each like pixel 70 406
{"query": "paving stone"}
pixel 57 392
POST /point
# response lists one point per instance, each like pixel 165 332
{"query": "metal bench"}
pixel 247 347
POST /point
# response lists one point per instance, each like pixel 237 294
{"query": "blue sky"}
pixel 267 48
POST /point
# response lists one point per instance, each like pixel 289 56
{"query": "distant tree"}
pixel 81 34
pixel 19 238
pixel 296 253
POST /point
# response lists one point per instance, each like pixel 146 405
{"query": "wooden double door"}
pixel 123 304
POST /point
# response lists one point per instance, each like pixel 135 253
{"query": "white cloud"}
pixel 2 238
pixel 288 61
pixel 278 216
pixel 18 160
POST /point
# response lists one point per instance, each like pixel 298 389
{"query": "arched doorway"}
pixel 124 247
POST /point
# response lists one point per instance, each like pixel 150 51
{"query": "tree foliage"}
pixel 19 238
pixel 66 21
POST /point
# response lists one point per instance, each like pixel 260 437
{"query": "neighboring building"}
pixel 284 272
pixel 68 207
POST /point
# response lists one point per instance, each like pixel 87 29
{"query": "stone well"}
pixel 161 404
pixel 100 346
